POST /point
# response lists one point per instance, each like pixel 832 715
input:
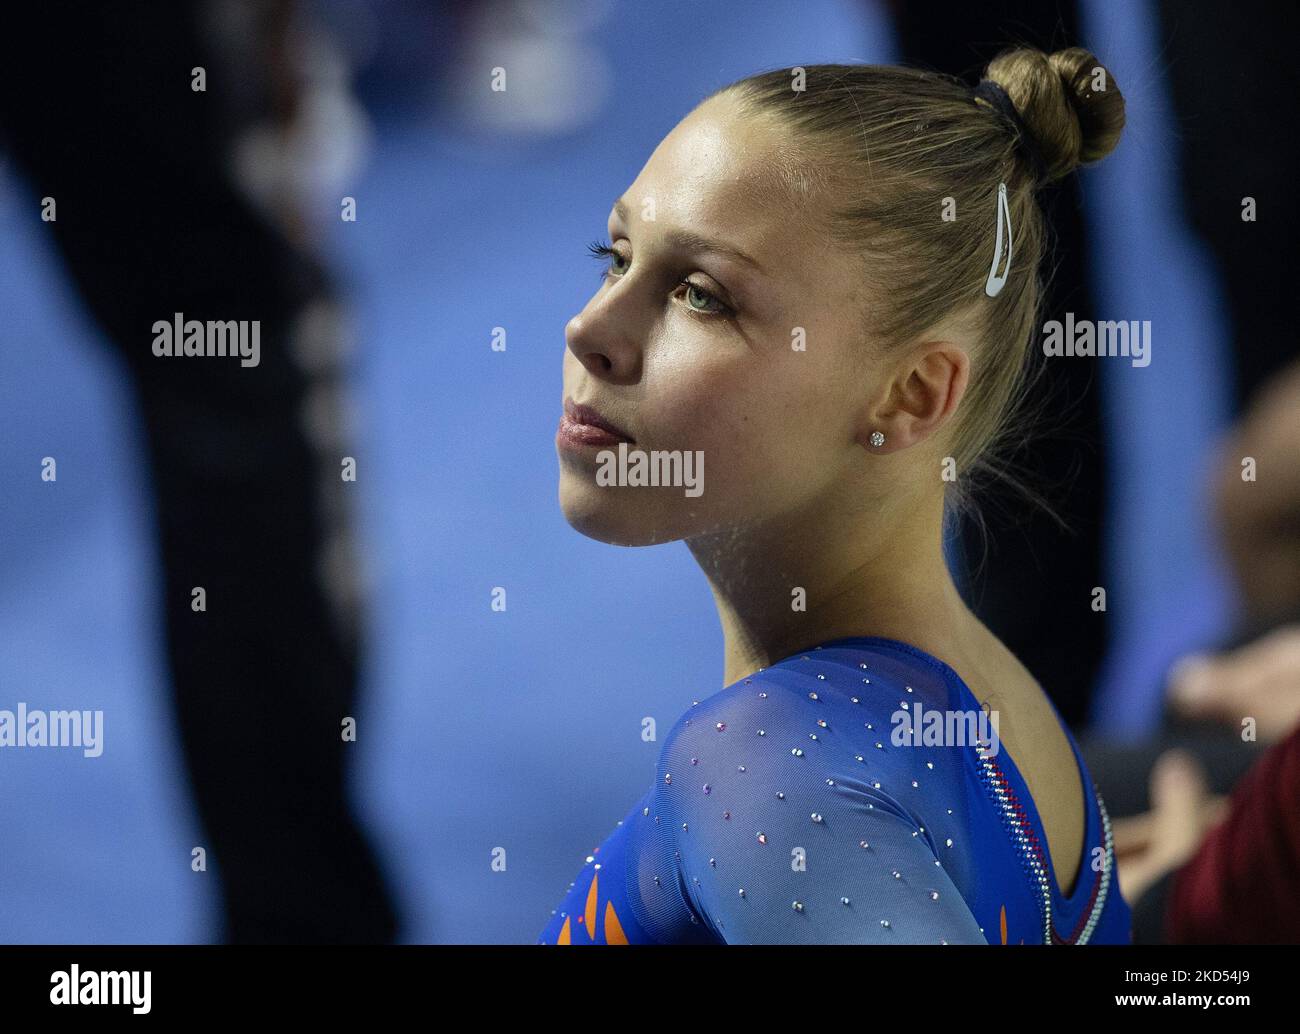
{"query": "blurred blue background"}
pixel 519 729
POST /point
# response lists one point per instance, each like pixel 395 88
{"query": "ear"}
pixel 919 398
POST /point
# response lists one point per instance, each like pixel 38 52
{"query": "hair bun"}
pixel 1067 100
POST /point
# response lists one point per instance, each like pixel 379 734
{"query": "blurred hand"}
pixel 1260 680
pixel 1183 810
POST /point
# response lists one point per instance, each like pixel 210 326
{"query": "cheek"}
pixel 754 420
pixel 704 401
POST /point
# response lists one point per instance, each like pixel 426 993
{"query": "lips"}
pixel 585 424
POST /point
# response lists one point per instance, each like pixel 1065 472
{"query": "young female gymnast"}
pixel 825 282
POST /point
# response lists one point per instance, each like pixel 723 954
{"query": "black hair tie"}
pixel 996 97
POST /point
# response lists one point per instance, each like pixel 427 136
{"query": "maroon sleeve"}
pixel 1243 884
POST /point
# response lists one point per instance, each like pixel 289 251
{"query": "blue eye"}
pixel 700 292
pixel 710 305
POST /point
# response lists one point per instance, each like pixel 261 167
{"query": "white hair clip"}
pixel 995 283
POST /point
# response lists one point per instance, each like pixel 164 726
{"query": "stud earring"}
pixel 877 439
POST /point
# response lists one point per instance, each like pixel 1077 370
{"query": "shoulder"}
pixel 782 828
pixel 787 746
pixel 831 737
pixel 816 703
pixel 762 697
pixel 749 720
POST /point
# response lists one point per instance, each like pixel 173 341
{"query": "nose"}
pixel 603 337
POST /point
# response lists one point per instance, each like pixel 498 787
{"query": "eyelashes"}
pixel 603 251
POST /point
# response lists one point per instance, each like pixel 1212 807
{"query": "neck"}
pixel 800 579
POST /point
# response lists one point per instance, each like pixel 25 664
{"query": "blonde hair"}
pixel 894 146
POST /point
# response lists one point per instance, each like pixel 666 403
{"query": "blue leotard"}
pixel 792 807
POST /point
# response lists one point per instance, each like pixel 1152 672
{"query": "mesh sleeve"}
pixel 778 838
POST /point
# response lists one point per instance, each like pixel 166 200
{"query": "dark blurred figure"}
pixel 1203 869
pixel 1233 85
pixel 97 108
pixel 1233 80
pixel 1036 579
pixel 1242 886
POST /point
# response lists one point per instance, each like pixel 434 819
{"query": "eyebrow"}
pixel 691 241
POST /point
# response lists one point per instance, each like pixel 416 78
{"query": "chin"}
pixel 618 516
